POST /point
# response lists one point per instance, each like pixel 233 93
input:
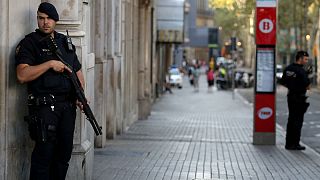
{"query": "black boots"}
pixel 296 147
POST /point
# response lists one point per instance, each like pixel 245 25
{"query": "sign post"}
pixel 265 86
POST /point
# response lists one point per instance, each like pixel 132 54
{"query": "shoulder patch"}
pixel 18 49
pixel 291 74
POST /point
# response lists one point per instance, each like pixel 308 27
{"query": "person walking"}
pixel 195 76
pixel 212 63
pixel 190 71
pixel 51 95
pixel 295 78
pixel 210 79
pixel 167 85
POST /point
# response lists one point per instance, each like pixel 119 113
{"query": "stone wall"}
pixel 113 42
pixel 17 19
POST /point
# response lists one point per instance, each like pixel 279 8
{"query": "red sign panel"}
pixel 266 26
pixel 264 113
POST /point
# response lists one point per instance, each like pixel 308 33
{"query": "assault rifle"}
pixel 76 83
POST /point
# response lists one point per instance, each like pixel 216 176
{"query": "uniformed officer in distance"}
pixel 51 100
pixel 295 78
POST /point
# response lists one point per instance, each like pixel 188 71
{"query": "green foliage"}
pixel 292 12
pixel 232 17
pixel 301 15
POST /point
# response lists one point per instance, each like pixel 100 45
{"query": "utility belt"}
pixel 299 99
pixel 48 99
pixel 296 94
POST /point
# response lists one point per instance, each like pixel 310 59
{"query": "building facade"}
pixel 115 42
pixel 200 21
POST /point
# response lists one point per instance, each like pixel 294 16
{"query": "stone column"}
pixel 3 86
pixel 17 18
pixel 154 56
pixel 74 16
pixel 118 67
pixel 144 61
pixel 124 65
pixel 101 73
pixel 111 94
pixel 135 61
pixel 127 32
pixel 100 69
pixel 142 66
pixel 107 68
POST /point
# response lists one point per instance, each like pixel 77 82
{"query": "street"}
pixel 200 135
pixel 311 126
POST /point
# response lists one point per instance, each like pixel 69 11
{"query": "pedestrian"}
pixel 210 79
pixel 51 95
pixel 167 84
pixel 222 77
pixel 212 63
pixel 195 76
pixel 190 70
pixel 295 78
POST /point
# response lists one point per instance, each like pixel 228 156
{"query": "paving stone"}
pixel 200 136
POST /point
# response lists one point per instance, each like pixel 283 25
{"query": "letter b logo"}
pixel 266 26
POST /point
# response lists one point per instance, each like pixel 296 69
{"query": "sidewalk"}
pixel 202 135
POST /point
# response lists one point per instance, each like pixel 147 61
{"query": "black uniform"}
pixel 52 109
pixel 296 80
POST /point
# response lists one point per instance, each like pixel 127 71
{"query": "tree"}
pixel 221 4
pixel 232 16
pixel 300 17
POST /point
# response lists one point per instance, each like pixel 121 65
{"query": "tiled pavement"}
pixel 200 135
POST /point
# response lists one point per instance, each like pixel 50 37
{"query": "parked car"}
pixel 243 78
pixel 220 60
pixel 175 77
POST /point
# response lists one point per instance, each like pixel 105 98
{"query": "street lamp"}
pixel 308 42
pixel 313 75
pixel 308 37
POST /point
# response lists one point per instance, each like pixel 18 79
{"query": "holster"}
pixel 37 128
pixel 40 129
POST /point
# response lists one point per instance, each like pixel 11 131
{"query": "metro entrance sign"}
pixel 264 107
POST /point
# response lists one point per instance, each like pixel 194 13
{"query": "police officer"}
pixel 51 100
pixel 295 78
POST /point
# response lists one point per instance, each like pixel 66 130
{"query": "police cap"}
pixel 50 10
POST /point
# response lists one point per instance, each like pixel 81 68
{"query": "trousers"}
pixel 50 159
pixel 297 107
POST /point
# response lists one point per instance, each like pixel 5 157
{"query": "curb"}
pixel 280 129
